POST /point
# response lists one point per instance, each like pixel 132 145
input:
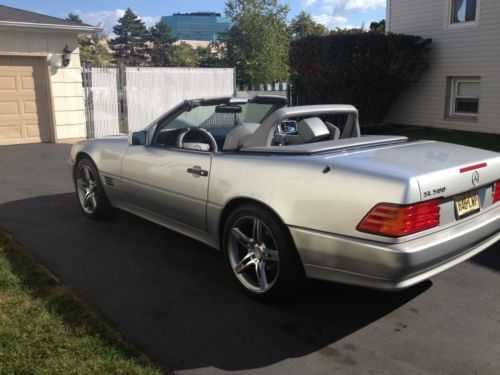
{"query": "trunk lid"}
pixel 441 169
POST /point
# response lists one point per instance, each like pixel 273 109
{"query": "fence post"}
pixel 235 91
pixel 121 87
pixel 89 101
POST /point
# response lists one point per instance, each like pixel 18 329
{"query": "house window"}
pixel 463 11
pixel 464 97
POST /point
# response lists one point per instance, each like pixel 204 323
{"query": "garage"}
pixel 24 100
pixel 41 92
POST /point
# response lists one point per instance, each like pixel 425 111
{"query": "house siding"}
pixel 463 51
pixel 65 82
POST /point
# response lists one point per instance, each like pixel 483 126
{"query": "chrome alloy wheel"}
pixel 86 186
pixel 253 254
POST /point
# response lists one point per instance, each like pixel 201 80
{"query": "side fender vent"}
pixel 109 181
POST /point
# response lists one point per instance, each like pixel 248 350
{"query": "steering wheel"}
pixel 206 135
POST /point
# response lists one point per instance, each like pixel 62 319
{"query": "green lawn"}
pixel 45 329
pixel 480 140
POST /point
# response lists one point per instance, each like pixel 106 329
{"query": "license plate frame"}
pixel 467 204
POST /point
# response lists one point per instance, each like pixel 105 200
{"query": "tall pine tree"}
pixel 129 46
pixel 162 48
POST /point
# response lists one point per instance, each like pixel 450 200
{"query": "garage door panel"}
pixel 7 83
pixel 24 100
pixel 34 131
pixel 27 84
pixel 30 107
pixel 9 108
pixel 11 132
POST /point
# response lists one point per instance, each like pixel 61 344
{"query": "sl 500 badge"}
pixel 431 193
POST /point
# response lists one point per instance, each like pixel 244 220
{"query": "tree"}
pixel 369 70
pixel 74 17
pixel 303 26
pixel 129 46
pixel 378 27
pixel 162 44
pixel 184 56
pixel 258 43
pixel 94 50
pixel 207 58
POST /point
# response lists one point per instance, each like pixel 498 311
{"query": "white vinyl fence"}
pixel 152 91
pixel 122 100
pixel 102 102
pixel 277 88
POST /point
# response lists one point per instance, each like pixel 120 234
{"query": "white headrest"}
pixel 312 129
pixel 237 136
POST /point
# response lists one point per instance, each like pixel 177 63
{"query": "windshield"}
pixel 208 118
pixel 216 117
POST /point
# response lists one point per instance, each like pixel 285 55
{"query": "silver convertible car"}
pixel 292 192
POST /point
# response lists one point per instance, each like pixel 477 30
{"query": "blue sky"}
pixel 331 13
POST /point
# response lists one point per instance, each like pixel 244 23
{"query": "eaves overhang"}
pixel 54 27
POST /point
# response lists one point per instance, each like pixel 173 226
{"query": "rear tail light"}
pixel 394 220
pixel 496 193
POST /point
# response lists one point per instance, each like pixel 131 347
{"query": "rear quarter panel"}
pixel 301 193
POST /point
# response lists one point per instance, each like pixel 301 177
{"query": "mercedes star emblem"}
pixel 475 178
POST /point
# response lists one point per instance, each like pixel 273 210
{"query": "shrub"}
pixel 367 69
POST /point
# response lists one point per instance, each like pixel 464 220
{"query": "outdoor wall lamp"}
pixel 66 56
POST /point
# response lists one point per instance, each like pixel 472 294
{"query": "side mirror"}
pixel 138 138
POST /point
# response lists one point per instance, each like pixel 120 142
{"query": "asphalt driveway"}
pixel 171 295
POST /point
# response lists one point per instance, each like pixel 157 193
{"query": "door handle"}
pixel 198 171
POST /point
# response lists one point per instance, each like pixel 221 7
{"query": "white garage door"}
pixel 24 100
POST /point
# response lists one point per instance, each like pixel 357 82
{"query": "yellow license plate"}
pixel 467 204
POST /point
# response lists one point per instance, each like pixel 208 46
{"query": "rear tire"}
pixel 260 254
pixel 89 190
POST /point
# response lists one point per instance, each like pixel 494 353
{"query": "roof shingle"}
pixel 19 15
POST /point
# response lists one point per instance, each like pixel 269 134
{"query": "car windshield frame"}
pixel 162 123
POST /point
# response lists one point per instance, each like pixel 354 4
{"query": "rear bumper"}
pixel 394 266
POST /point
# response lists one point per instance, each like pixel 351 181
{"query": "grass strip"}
pixel 45 329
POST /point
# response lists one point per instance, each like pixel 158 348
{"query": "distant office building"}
pixel 197 26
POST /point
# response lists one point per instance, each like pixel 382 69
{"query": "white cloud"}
pixel 329 20
pixel 109 18
pixel 364 4
pixel 331 6
pixel 307 3
pixel 150 20
pixel 106 18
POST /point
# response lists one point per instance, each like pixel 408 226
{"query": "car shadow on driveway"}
pixel 173 296
pixel 489 258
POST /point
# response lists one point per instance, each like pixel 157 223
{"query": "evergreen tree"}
pixel 74 17
pixel 162 44
pixel 129 46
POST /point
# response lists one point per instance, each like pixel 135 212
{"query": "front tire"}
pixel 260 253
pixel 93 200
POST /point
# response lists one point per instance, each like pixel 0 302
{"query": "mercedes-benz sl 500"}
pixel 288 192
